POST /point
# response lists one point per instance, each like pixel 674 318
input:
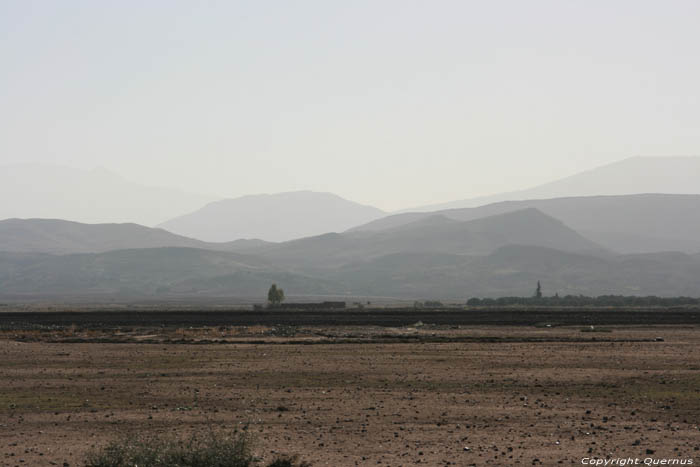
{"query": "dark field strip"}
pixel 342 341
pixel 379 317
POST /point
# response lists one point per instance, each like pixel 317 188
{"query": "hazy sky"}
pixel 391 103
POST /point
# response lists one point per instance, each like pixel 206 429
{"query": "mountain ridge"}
pixel 633 175
pixel 636 223
pixel 272 217
pixel 88 196
pixel 57 236
pixel 187 273
pixel 480 236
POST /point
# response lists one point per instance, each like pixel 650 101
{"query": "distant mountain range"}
pixel 57 236
pixel 514 270
pixel 278 217
pixel 100 196
pixel 433 257
pixel 143 273
pixel 626 224
pixel 91 196
pixel 435 234
pixel 674 175
pixel 317 244
pixel 174 273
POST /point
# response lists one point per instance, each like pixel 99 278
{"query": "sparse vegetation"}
pixel 283 331
pixel 642 378
pixel 275 295
pixel 209 450
pixel 581 300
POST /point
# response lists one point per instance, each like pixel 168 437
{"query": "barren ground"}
pixel 359 395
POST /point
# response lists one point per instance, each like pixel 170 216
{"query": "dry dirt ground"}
pixel 499 396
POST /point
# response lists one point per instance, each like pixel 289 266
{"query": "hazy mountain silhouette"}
pixel 435 235
pixel 514 270
pixel 627 224
pixel 92 196
pixel 277 217
pixel 674 175
pixel 570 244
pixel 64 237
pixel 144 272
pixel 433 257
pixel 326 264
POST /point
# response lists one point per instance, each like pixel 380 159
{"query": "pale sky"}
pixel 390 103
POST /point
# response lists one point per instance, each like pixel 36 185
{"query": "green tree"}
pixel 275 295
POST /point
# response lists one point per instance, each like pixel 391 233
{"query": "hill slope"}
pixel 627 224
pixel 91 196
pixel 156 272
pixel 61 237
pixel 439 256
pixel 278 217
pixel 174 273
pixel 64 237
pixel 674 175
pixel 435 235
pixel 514 270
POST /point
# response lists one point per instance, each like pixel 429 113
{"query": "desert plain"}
pixel 346 395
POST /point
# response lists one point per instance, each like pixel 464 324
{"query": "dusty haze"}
pixel 392 104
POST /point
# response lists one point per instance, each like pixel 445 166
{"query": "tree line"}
pixel 581 300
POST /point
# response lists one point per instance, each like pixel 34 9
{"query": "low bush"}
pixel 209 450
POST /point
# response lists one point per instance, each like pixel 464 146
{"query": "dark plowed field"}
pixel 376 317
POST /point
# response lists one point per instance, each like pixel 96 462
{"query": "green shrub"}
pixel 209 450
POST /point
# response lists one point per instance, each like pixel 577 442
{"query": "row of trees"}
pixel 581 300
pixel 275 296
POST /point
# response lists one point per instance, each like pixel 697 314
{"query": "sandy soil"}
pixel 532 396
